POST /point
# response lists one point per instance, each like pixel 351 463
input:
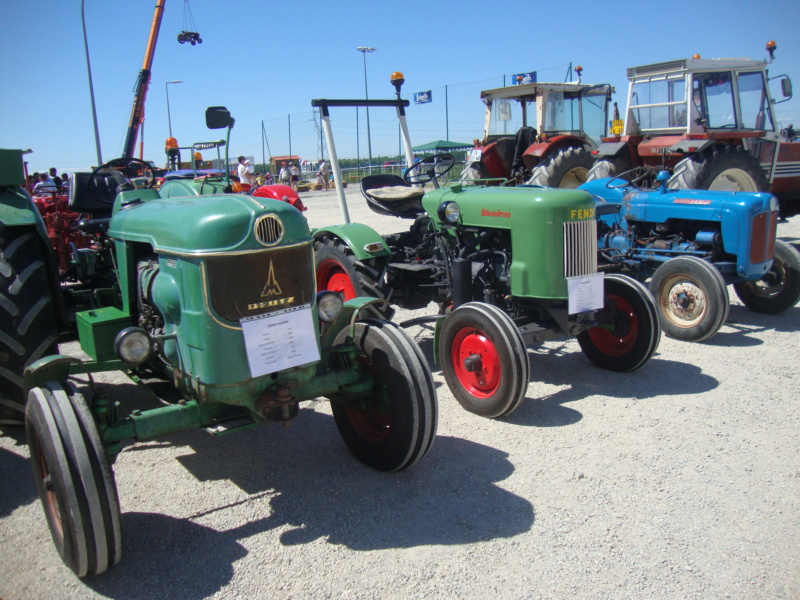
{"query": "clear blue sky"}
pixel 265 61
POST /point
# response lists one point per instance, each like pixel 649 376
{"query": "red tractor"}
pixel 712 123
pixel 540 133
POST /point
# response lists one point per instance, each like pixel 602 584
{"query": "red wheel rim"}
pixel 371 424
pixel 468 342
pixel 608 341
pixel 331 276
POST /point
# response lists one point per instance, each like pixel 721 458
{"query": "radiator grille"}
pixel 269 230
pixel 580 248
pixel 244 285
pixel 762 242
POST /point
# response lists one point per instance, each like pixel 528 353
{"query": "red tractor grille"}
pixel 255 283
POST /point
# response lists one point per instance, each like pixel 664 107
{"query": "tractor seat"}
pixel 80 200
pixel 390 195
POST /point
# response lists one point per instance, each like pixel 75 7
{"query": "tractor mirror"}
pixel 218 117
pixel 504 110
pixel 786 87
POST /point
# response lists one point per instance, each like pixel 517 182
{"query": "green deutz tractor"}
pixel 508 266
pixel 217 296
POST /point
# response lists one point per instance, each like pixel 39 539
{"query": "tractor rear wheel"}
pixel 692 298
pixel 566 168
pixel 484 359
pixel 723 168
pixel 338 270
pixel 609 166
pixel 27 319
pixel 395 428
pixel 634 332
pixel 76 484
pixel 779 289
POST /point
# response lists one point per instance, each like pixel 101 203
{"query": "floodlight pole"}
pixel 169 117
pixel 364 50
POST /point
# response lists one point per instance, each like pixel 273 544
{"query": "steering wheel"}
pixel 632 177
pixel 429 169
pixel 117 174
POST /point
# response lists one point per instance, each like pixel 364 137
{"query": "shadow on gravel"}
pixel 17 486
pixel 155 552
pixel 554 366
pixel 308 485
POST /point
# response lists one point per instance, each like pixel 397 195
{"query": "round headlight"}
pixel 449 211
pixel 133 345
pixel 329 306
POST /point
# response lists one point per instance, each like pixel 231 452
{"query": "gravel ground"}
pixel 680 480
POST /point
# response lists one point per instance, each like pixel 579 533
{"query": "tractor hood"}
pixel 522 207
pixel 658 206
pixel 204 224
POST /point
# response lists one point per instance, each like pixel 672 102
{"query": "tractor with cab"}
pixel 540 133
pixel 711 123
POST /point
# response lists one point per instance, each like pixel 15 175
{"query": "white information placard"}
pixel 475 155
pixel 280 340
pixel 585 293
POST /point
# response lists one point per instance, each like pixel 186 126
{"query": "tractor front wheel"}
pixel 632 336
pixel 395 428
pixel 692 298
pixel 566 168
pixel 76 484
pixel 722 168
pixel 27 316
pixel 484 359
pixel 779 289
pixel 338 270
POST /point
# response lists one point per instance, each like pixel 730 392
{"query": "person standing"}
pixel 55 178
pixel 246 172
pixel 295 171
pixel 323 174
pixel 284 174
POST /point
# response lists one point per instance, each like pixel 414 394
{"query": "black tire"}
pixel 779 289
pixel 75 482
pixel 635 329
pixel 566 168
pixel 500 382
pixel 725 168
pixel 396 427
pixel 28 328
pixel 338 270
pixel 609 166
pixel 692 298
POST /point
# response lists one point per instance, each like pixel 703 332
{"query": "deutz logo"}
pixel 272 287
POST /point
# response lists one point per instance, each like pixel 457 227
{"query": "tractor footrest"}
pixel 230 426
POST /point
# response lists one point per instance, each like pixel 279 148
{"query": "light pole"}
pixel 91 90
pixel 169 118
pixel 364 50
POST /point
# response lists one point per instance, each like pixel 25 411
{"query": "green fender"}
pixel 17 209
pixel 357 236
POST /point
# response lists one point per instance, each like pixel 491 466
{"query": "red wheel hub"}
pixel 621 339
pixel 476 362
pixel 332 276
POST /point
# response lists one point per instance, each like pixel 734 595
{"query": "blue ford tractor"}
pixel 692 244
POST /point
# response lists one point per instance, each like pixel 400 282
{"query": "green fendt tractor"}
pixel 217 296
pixel 508 266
